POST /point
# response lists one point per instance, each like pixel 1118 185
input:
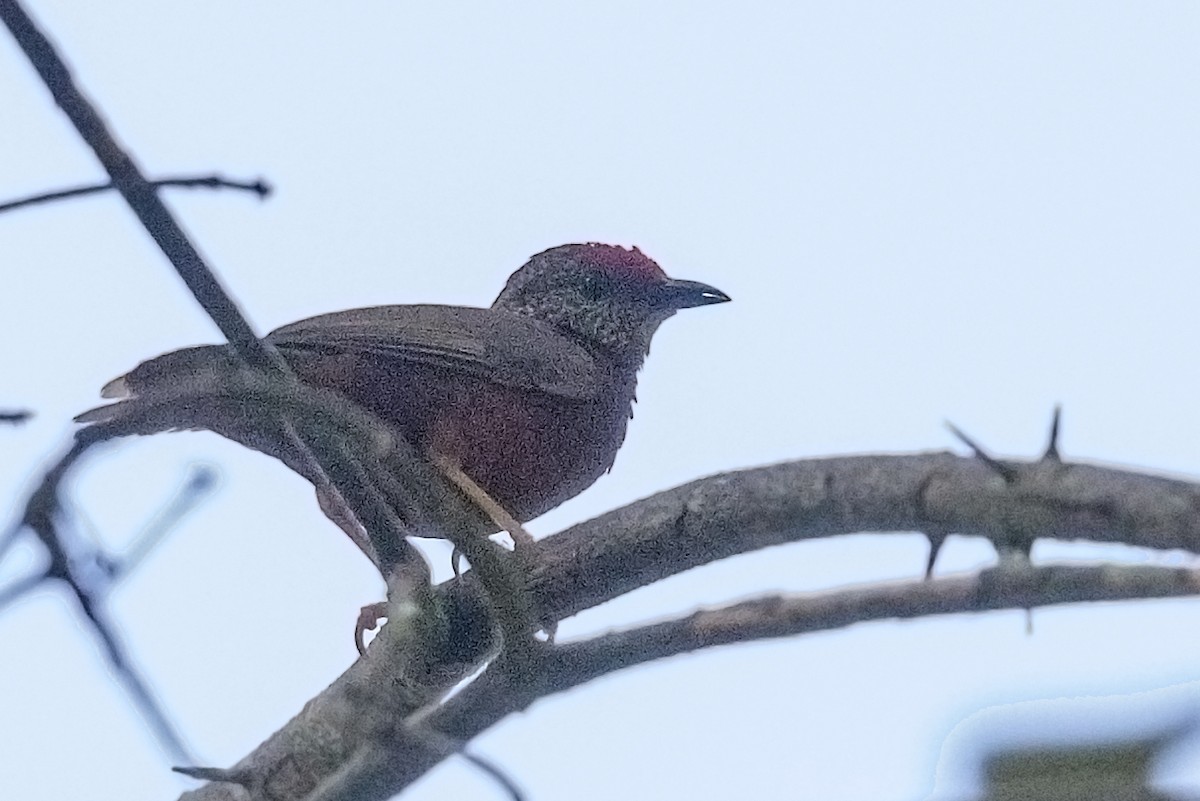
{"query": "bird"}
pixel 524 404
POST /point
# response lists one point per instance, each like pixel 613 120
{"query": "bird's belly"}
pixel 529 451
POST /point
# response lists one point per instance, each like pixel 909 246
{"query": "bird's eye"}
pixel 594 287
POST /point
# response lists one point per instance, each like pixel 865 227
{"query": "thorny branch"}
pixel 712 519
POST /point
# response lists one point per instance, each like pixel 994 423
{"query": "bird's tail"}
pixel 209 388
pixel 165 375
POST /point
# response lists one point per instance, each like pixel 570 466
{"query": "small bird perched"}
pixel 528 400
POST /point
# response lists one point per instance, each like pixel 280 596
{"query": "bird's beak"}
pixel 680 294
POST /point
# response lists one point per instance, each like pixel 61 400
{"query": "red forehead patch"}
pixel 619 261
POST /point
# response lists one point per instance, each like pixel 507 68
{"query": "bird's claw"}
pixel 368 620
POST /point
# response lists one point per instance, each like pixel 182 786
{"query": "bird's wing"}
pixel 502 347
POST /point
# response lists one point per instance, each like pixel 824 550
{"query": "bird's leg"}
pixel 479 496
pixel 335 509
pixel 495 512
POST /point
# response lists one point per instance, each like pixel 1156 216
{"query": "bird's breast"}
pixel 532 451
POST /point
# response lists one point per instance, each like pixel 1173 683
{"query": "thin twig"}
pixel 43 514
pixel 15 417
pixel 143 198
pixel 139 193
pixel 142 697
pixel 9 537
pixel 21 587
pixel 259 187
pixel 199 483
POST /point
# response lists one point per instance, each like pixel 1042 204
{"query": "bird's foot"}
pixel 368 620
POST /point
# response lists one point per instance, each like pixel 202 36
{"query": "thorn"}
pixel 1014 558
pixel 1005 471
pixel 936 541
pixel 1052 453
pixel 495 773
pixel 450 745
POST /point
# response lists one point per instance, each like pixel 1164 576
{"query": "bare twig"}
pixel 43 515
pixel 9 537
pixel 113 568
pixel 199 483
pixel 15 417
pixel 143 198
pixel 790 615
pixel 139 193
pixel 125 672
pixel 21 587
pixel 259 187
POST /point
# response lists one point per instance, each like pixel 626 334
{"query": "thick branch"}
pixel 491 698
pixel 485 702
pixel 732 513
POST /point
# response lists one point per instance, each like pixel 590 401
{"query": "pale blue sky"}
pixel 923 210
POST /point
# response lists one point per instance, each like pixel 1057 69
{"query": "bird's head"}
pixel 603 295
